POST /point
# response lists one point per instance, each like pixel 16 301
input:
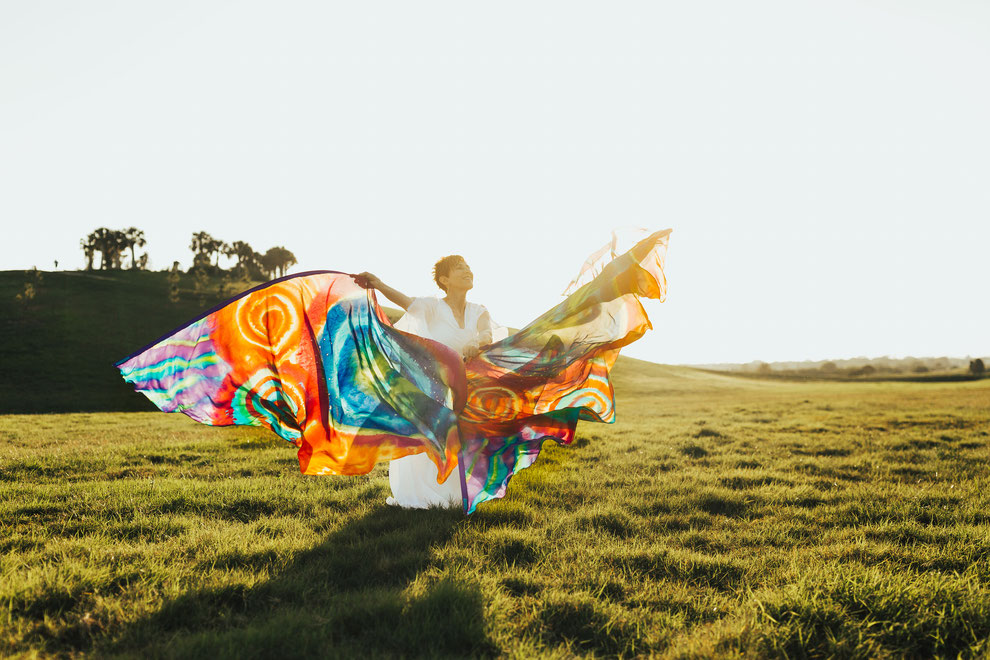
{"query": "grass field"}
pixel 718 517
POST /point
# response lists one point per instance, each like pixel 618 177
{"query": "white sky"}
pixel 825 166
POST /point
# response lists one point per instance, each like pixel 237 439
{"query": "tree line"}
pixel 116 245
pixel 857 367
pixel 113 245
pixel 207 251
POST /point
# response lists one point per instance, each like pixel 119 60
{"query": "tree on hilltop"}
pixel 134 237
pixel 204 246
pixel 277 261
pixel 220 247
pixel 200 239
pixel 248 261
pixel 97 242
pixel 89 250
pixel 977 368
pixel 109 243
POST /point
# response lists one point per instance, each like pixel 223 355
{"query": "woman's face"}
pixel 460 277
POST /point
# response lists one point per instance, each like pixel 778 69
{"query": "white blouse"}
pixel 434 319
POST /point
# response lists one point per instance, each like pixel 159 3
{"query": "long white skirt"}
pixel 414 484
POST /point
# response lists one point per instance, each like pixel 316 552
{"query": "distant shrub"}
pixel 31 286
pixel 201 283
pixel 226 283
pixel 976 367
pixel 173 283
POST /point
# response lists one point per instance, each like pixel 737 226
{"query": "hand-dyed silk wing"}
pixel 313 358
pixel 539 382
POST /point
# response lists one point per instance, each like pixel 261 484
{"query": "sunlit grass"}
pixel 719 516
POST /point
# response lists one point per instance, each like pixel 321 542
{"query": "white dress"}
pixel 414 478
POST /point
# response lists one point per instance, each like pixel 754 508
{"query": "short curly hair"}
pixel 443 267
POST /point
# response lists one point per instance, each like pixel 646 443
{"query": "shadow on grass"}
pixel 351 596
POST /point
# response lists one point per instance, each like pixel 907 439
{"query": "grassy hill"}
pixel 58 349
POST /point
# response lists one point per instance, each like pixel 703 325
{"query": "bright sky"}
pixel 824 166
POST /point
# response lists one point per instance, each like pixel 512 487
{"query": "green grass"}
pixel 718 517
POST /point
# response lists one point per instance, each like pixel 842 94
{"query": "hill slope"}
pixel 58 349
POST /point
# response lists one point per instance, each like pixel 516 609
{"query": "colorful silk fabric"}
pixel 314 358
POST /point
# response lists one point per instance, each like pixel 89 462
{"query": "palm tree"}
pixel 111 244
pixel 248 261
pixel 200 241
pixel 105 243
pixel 219 247
pixel 254 266
pixel 204 244
pixel 124 244
pixel 117 242
pixel 134 237
pixel 230 251
pixel 278 259
pixel 269 263
pixel 88 246
pixel 288 260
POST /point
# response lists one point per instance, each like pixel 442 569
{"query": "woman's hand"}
pixel 370 281
pixel 472 349
pixel 367 280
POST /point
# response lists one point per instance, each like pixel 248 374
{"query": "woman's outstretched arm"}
pixel 483 339
pixel 369 281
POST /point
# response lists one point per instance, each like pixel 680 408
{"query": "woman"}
pixel 462 326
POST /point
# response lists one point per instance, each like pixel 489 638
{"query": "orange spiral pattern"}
pixel 271 323
pixel 495 403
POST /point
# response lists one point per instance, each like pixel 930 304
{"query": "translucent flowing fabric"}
pixel 314 358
